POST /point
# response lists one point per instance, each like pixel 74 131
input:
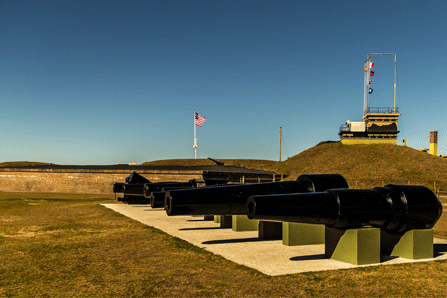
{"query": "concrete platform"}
pixel 270 257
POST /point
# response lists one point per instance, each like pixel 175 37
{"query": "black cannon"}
pixel 156 192
pixel 137 189
pixel 135 178
pixel 393 208
pixel 133 193
pixel 218 163
pixel 231 199
pixel 132 189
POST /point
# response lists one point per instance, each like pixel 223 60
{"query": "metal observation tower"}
pixel 379 124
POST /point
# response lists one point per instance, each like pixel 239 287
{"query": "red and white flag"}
pixel 199 119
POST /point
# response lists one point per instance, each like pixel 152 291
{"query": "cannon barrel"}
pixel 133 194
pixel 153 187
pixel 158 198
pixel 219 163
pixel 231 199
pixel 136 189
pixel 393 208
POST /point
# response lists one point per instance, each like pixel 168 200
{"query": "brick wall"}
pixel 79 181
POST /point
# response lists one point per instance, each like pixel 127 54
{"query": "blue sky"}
pixel 107 82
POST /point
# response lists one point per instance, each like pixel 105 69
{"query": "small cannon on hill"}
pixel 232 199
pixel 393 208
pixel 218 163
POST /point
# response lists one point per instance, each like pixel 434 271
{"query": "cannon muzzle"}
pixel 157 199
pixel 393 208
pixel 231 199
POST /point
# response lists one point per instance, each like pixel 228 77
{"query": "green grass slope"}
pixel 376 163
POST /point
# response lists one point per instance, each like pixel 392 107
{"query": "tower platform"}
pixel 379 126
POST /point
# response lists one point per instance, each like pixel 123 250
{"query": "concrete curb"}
pixel 270 257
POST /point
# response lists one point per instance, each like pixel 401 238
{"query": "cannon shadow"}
pixel 241 240
pixel 309 258
pixel 439 249
pixel 198 229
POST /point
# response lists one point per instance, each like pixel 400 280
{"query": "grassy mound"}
pixel 363 166
pixel 22 163
pixel 378 162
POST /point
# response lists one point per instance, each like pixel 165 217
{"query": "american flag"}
pixel 199 119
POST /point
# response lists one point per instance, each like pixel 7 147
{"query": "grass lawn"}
pixel 62 245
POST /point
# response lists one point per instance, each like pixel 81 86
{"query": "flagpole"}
pixel 195 135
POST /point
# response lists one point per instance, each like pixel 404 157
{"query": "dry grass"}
pixel 379 162
pixel 22 163
pixel 63 245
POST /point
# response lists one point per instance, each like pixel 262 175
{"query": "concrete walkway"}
pixel 270 257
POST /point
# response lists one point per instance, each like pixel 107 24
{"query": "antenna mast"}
pixel 368 74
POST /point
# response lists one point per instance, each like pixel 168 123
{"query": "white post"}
pixel 195 136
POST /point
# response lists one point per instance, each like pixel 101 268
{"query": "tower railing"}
pixel 382 110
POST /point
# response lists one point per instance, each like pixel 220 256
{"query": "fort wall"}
pixel 80 180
